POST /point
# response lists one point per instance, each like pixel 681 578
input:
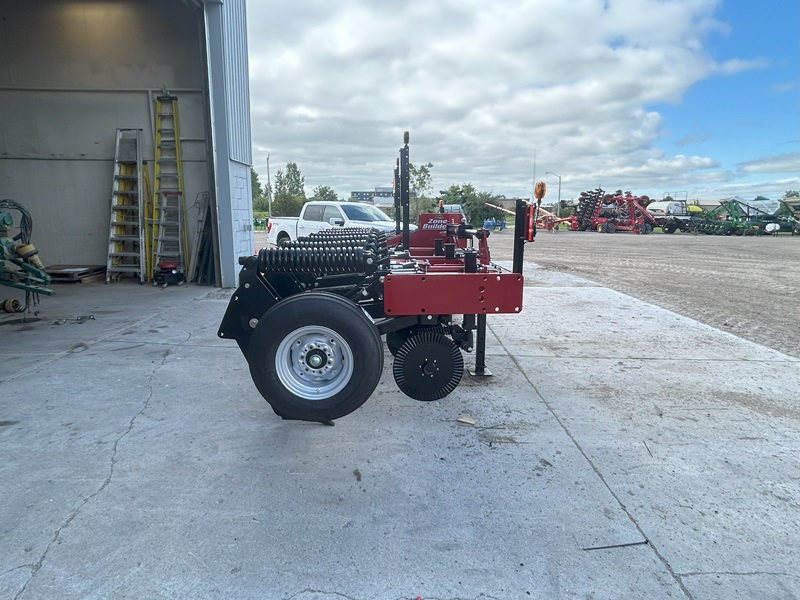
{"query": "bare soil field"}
pixel 748 286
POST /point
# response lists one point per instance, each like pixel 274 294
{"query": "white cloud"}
pixel 769 188
pixel 731 67
pixel 782 88
pixel 481 86
pixel 781 163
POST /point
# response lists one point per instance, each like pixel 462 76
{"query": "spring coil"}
pixel 335 249
pixel 356 231
pixel 310 243
pixel 318 261
pixel 357 238
pixel 352 233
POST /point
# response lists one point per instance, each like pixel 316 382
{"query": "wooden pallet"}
pixel 76 273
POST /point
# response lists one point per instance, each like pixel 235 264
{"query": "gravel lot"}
pixel 747 286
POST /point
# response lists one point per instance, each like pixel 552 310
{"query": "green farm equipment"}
pixel 792 210
pixel 735 217
pixel 20 265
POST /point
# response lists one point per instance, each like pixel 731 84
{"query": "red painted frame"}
pixel 452 293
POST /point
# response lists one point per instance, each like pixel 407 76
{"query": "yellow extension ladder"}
pixel 169 241
pixel 127 241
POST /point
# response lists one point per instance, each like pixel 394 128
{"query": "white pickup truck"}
pixel 317 215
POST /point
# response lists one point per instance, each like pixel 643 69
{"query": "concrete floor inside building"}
pixel 644 456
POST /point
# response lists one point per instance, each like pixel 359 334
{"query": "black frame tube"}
pixel 480 346
pixel 397 217
pixel 519 236
pixel 404 189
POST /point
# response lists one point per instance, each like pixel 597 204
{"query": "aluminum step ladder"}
pixel 127 240
pixel 169 235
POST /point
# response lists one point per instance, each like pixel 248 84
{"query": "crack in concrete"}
pixel 676 576
pixel 192 333
pixel 480 596
pixel 38 564
pixel 12 569
pixel 327 593
pixel 737 574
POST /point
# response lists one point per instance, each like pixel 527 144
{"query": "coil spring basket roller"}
pixel 309 315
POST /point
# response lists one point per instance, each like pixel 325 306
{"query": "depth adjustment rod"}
pixel 461 232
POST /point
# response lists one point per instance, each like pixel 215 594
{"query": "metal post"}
pixel 269 191
pixel 404 189
pixel 519 236
pixel 480 369
pixel 397 204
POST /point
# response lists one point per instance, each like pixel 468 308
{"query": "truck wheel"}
pixel 315 357
pixel 283 237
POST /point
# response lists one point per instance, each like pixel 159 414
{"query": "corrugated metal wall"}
pixel 237 82
pixel 237 87
pixel 226 46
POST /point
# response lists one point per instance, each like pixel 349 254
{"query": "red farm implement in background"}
pixel 608 214
pixel 309 315
pixel 543 219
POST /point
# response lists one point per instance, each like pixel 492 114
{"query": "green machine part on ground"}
pixel 20 265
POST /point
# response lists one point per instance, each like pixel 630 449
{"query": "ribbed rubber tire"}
pixel 315 357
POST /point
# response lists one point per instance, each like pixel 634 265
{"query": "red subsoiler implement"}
pixel 309 315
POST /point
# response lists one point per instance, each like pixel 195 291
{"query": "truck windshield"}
pixel 364 212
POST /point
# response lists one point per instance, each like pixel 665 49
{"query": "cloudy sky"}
pixel 653 96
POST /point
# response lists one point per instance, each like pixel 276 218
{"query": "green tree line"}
pixel 288 194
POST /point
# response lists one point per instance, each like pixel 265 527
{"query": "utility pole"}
pixel 269 191
pixel 558 206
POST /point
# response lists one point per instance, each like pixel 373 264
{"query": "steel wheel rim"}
pixel 314 362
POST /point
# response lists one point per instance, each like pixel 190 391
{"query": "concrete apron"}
pixel 619 451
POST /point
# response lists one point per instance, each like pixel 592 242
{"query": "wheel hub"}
pixel 314 362
pixel 429 368
pixel 316 358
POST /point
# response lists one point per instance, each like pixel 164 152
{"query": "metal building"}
pixel 73 71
